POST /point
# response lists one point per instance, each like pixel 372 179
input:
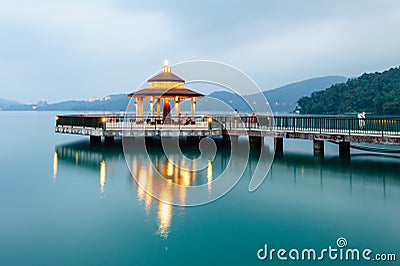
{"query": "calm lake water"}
pixel 64 202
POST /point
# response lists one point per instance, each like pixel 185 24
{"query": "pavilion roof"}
pixel 166 77
pixel 166 92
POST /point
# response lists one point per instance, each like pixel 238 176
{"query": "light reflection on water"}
pixel 103 172
pixel 174 171
pixel 366 171
pixel 55 165
pixel 54 212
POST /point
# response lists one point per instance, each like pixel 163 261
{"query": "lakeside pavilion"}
pixel 164 89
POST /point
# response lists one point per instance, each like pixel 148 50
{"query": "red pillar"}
pixel 166 108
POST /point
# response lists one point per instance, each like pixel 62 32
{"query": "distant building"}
pixel 41 103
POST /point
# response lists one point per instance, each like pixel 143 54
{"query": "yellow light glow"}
pixel 164 213
pixel 209 176
pixel 103 172
pixel 194 171
pixel 185 177
pixel 144 182
pixel 57 118
pixel 141 193
pixel 166 68
pixel 76 158
pixel 142 176
pixel 55 165
pixel 164 219
pixel 210 120
pixel 166 84
pixel 170 168
pixel 103 120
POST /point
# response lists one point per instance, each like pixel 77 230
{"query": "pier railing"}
pixel 342 125
pixel 84 121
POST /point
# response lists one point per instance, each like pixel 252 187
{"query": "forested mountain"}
pixel 376 93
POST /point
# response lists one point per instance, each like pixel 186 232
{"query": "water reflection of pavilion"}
pixel 290 170
pixel 175 172
pixel 173 169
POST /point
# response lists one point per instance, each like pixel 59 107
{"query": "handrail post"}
pixel 320 125
pixel 294 125
pixel 349 125
pixel 381 123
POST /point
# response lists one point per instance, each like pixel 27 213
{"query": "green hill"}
pixel 377 93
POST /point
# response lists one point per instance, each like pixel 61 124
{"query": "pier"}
pixel 340 129
pixel 164 93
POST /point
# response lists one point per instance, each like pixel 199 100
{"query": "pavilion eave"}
pixel 165 93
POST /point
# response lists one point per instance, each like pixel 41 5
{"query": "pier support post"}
pixel 95 140
pixel 232 140
pixel 279 146
pixel 225 139
pixel 109 140
pixel 148 141
pixel 318 148
pixel 256 142
pixel 193 140
pixel 344 150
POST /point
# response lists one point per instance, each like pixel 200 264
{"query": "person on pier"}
pixel 361 120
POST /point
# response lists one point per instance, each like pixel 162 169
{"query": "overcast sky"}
pixel 57 50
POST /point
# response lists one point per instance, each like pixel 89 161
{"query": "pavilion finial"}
pixel 166 67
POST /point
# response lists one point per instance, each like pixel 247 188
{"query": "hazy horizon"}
pixel 198 87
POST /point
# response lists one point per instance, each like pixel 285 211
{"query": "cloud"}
pixel 93 28
pixel 50 44
pixel 59 50
pixel 346 45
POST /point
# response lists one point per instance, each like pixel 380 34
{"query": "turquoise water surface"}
pixel 65 202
